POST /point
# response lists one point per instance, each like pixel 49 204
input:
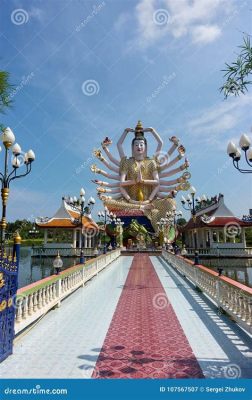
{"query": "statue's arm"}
pixel 157 137
pixel 121 140
pixel 103 190
pixel 168 190
pixel 108 165
pixel 174 171
pixel 171 163
pixel 154 181
pixel 107 184
pixel 112 159
pixel 164 184
pixel 104 173
pixel 124 182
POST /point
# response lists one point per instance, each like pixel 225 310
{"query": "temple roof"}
pixel 216 214
pixel 66 217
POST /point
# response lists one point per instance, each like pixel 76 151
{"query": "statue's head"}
pixel 139 143
pixel 139 147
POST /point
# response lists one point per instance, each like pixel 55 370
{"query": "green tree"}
pixel 5 91
pixel 181 221
pixel 237 73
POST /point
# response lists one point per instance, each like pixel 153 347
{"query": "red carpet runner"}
pixel 145 338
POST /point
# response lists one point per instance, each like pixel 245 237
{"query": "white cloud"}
pixel 197 19
pixel 122 21
pixel 205 33
pixel 220 120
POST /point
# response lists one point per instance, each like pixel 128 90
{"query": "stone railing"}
pixel 35 300
pixel 229 295
pixel 222 251
pixel 41 251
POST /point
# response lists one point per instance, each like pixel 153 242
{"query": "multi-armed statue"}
pixel 139 179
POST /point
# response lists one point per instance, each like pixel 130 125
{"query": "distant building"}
pixel 67 220
pixel 215 226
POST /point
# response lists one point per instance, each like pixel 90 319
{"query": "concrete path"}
pixel 72 341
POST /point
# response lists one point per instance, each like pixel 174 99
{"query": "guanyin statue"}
pixel 139 179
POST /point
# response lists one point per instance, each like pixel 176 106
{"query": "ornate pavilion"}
pixel 215 226
pixel 68 220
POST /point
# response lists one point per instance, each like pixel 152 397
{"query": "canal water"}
pixel 34 269
pixel 239 269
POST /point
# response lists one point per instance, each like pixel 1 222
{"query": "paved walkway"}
pixel 138 318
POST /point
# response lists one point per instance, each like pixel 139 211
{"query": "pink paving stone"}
pixel 138 327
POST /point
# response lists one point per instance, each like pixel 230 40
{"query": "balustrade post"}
pixel 217 288
pixel 83 275
pixel 58 292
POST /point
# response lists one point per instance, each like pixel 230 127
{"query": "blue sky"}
pixel 158 61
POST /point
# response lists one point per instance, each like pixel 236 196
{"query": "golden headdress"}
pixel 139 133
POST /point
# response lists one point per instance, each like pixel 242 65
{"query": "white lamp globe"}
pixel 8 137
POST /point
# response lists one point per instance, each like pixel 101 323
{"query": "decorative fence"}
pixel 229 295
pixel 222 252
pixel 35 300
pixel 8 289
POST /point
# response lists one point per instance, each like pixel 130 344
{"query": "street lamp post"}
pixel 173 217
pixel 119 223
pixel 162 224
pixel 235 153
pixel 79 206
pixel 190 201
pixel 8 139
pixel 106 217
pixel 57 264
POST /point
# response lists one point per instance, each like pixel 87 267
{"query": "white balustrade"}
pixel 222 251
pixel 34 302
pixel 234 298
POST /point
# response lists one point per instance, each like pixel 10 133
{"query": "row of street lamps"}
pixel 108 218
pixel 19 158
pixel 80 206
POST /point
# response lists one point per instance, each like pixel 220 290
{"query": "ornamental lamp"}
pixel 57 264
pixel 16 149
pixel 30 156
pixel 244 142
pixel 249 155
pixel 8 137
pixel 193 190
pixel 237 156
pixel 82 192
pixel 15 163
pixel 231 149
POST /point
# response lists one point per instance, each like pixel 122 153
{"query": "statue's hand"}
pixel 129 130
pixel 148 130
pixel 140 177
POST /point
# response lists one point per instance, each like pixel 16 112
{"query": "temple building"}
pixel 215 227
pixel 67 222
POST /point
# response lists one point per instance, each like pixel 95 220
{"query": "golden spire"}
pixel 139 130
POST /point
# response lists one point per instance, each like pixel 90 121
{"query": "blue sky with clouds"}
pixel 158 61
